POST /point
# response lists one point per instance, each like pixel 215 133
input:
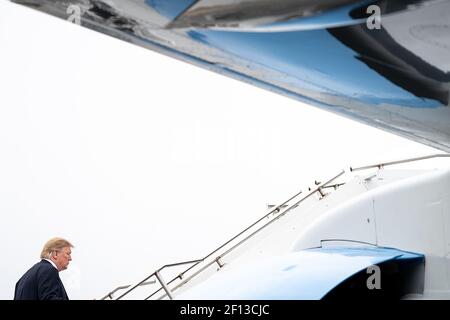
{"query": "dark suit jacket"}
pixel 41 282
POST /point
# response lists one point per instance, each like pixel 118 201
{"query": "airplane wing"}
pixel 385 63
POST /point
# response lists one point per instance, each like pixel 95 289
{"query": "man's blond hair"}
pixel 54 244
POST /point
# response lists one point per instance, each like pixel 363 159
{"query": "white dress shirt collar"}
pixel 53 264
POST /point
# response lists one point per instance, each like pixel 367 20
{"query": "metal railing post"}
pixel 163 284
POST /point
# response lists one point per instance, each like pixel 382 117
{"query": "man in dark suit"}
pixel 42 281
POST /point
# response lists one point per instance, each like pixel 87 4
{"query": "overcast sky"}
pixel 142 160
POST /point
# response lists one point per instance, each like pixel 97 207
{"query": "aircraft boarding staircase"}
pixel 216 259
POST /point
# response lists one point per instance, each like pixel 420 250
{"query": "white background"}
pixel 142 160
